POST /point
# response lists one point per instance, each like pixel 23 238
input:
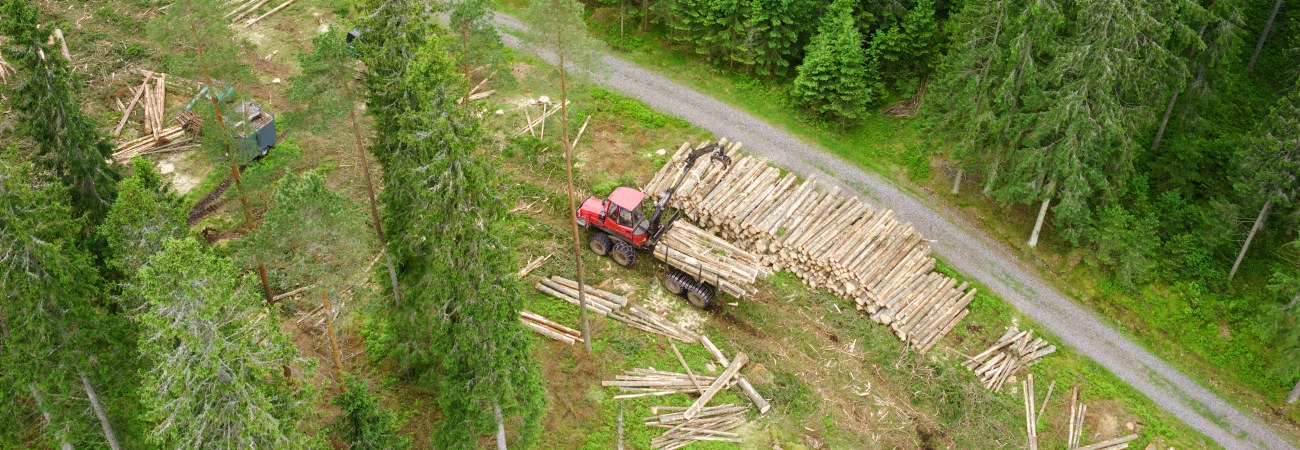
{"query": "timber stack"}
pixel 547 327
pixel 828 240
pixel 151 96
pixel 615 307
pixel 712 424
pixel 1013 351
pixel 654 383
pixel 710 259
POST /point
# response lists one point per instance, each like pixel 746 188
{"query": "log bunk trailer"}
pixel 621 230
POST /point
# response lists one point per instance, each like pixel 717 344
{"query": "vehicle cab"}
pixel 619 215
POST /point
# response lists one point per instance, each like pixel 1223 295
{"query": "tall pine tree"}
pixel 837 78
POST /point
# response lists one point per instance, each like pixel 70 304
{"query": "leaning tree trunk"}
pixel 956 181
pixel 99 412
pixel 1165 121
pixel 1264 35
pixel 1294 395
pixel 1038 224
pixel 1042 213
pixel 573 206
pixel 501 426
pixel 370 191
pixel 1259 223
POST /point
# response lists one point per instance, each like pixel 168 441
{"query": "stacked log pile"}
pixel 1014 350
pixel 653 383
pixel 828 240
pixel 151 96
pixel 615 307
pixel 710 259
pixel 547 327
pixel 712 424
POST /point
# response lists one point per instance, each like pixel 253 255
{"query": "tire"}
pixel 624 254
pixel 701 296
pixel 674 282
pixel 600 244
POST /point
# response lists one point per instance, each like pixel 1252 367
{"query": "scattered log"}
pixel 250 22
pixel 529 316
pixel 1009 354
pixel 762 403
pixel 63 45
pixel 531 266
pixel 126 114
pixel 717 386
pixel 1110 443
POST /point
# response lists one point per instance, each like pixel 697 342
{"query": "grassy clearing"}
pixel 1217 339
pixel 836 380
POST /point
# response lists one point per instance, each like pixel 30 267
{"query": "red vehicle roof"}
pixel 627 198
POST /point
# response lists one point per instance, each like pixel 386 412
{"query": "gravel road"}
pixel 962 246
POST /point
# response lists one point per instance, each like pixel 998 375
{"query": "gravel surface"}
pixel 962 246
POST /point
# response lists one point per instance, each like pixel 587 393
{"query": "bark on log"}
pixel 717 386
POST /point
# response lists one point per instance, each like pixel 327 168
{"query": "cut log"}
pixel 716 387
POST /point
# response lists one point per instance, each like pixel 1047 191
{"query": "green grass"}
pixel 1238 368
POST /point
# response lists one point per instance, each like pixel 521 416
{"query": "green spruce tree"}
pixel 1270 171
pixel 837 78
pixel 459 325
pixel 145 214
pixel 69 144
pixel 57 345
pixel 364 424
pixel 221 372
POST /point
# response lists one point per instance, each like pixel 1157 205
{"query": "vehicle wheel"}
pixel 701 296
pixel 674 282
pixel 600 243
pixel 624 254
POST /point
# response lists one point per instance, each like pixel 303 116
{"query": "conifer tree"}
pixel 220 369
pixel 556 27
pixel 1216 43
pixel 326 84
pixel 1104 78
pixel 477 41
pixel 69 144
pixel 187 22
pixel 365 425
pixel 1271 165
pixel 54 340
pixel 908 51
pixel 311 235
pixel 459 325
pixel 837 78
pixel 960 107
pixel 145 215
pixel 393 31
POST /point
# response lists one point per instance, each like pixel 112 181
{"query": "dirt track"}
pixel 961 245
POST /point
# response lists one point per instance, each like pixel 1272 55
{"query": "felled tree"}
pixel 219 366
pixel 1271 164
pixel 69 144
pixel 837 78
pixel 54 339
pixel 326 85
pixel 556 28
pixel 145 214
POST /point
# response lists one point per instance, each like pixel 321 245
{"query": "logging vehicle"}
pixel 252 127
pixel 621 230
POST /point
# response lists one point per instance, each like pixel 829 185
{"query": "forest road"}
pixel 962 246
